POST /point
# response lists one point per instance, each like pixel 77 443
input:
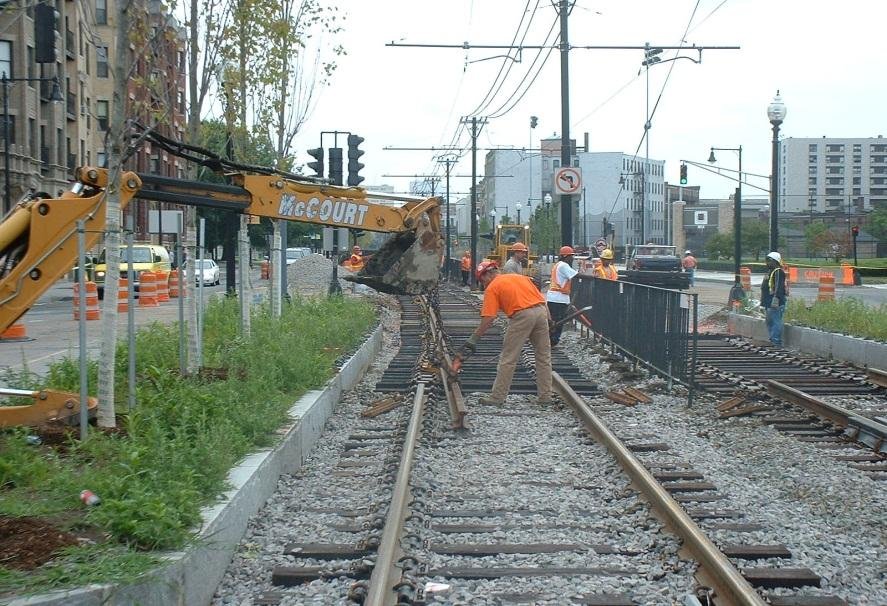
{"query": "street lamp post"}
pixel 547 201
pixel 517 207
pixel 776 112
pixel 55 96
pixel 736 293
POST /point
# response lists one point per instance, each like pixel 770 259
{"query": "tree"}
pixel 719 246
pixel 755 237
pixel 878 222
pixel 816 238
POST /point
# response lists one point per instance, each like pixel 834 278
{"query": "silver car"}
pixel 206 270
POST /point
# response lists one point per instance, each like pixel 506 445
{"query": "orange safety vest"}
pixel 565 288
pixel 356 262
pixel 466 263
pixel 607 272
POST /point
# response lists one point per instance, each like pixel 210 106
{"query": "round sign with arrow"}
pixel 600 245
pixel 568 180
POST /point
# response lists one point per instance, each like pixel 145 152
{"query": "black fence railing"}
pixel 656 326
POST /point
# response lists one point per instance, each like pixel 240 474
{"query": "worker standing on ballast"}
pixel 515 265
pixel 465 267
pixel 606 270
pixel 773 297
pixel 558 296
pixel 528 318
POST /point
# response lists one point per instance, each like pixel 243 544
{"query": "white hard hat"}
pixel 687 252
pixel 775 256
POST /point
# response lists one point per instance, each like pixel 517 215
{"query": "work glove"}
pixel 468 348
pixel 774 303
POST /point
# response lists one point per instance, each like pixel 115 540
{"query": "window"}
pixel 879 159
pixel 811 191
pixel 835 170
pixel 835 148
pixel 154 164
pixel 101 61
pixel 834 203
pixel 102 159
pixel 857 148
pixel 10 119
pixel 857 180
pixel 6 58
pixel 101 114
pixel 811 170
pixel 811 181
pixel 834 191
pixel 834 159
pixel 812 148
pixel 835 181
pixel 879 181
pixel 32 136
pixel 857 191
pixel 101 12
pixel 813 159
pixel 877 148
pixel 857 158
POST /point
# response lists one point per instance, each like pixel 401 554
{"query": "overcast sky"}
pixel 826 58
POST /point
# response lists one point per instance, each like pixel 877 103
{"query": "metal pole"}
pixel 584 220
pixel 81 283
pixel 284 285
pixel 646 160
pixel 183 362
pixel 131 315
pixel 200 311
pixel 449 252
pixel 774 191
pixel 7 194
pixel 473 217
pixel 566 150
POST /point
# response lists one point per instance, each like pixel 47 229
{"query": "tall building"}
pixel 47 141
pixel 832 175
pixel 613 186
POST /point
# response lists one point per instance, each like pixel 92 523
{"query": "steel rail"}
pixel 382 581
pixel 856 427
pixel 452 389
pixel 878 377
pixel 719 573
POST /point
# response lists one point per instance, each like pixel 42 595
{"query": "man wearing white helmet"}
pixel 774 296
pixel 689 265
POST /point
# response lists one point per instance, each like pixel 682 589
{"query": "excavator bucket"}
pixel 407 264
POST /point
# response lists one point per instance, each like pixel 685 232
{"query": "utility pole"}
pixel 566 149
pixel 473 218
pixel 448 162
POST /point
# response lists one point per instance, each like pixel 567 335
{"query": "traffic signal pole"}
pixel 566 148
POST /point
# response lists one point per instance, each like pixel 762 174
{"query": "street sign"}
pixel 568 180
pixel 600 245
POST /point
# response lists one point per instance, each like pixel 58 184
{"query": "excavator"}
pixel 38 238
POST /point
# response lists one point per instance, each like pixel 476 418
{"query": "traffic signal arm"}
pixel 38 238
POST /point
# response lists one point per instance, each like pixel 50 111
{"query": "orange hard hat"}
pixel 484 267
pixel 520 246
pixel 565 251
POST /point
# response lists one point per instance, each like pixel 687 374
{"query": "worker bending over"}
pixel 515 265
pixel 519 299
pixel 558 296
pixel 356 259
pixel 606 270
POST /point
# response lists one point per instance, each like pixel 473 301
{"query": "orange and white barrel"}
pixel 266 270
pixel 92 301
pixel 745 278
pixel 123 296
pixel 174 284
pixel 826 288
pixel 161 280
pixel 147 289
pixel 14 333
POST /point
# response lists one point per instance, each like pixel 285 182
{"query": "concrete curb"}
pixel 833 346
pixel 192 576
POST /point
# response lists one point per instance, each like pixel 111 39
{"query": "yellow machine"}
pixel 507 236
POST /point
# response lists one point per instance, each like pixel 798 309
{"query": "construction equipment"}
pixel 49 405
pixel 507 236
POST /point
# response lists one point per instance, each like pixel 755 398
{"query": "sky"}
pixel 826 59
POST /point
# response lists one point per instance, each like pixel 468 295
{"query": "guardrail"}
pixel 655 326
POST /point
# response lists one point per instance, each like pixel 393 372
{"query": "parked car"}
pixel 207 270
pixel 654 257
pixel 296 253
pixel 145 257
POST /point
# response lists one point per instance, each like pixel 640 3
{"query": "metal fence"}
pixel 656 326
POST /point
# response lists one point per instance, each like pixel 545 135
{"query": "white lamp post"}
pixel 776 112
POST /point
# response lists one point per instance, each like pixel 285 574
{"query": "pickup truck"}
pixel 655 265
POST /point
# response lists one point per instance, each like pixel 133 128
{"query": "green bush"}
pixel 847 315
pixel 175 448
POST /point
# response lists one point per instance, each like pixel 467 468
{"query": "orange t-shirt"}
pixel 510 293
pixel 466 263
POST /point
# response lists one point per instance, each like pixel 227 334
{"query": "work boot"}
pixel 488 401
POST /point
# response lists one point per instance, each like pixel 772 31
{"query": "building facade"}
pixel 829 175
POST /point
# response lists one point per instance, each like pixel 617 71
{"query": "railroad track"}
pixel 523 507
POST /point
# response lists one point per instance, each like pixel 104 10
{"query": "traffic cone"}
pixel 147 290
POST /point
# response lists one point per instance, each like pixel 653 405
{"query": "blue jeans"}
pixel 691 272
pixel 774 324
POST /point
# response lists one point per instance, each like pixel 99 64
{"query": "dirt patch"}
pixel 27 543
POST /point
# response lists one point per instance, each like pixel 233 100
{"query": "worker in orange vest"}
pixel 465 266
pixel 356 260
pixel 606 270
pixel 558 296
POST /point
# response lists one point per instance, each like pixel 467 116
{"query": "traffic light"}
pixel 317 165
pixel 683 174
pixel 650 55
pixel 855 231
pixel 533 121
pixel 354 154
pixel 336 165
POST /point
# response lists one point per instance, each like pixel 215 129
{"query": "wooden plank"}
pixel 605 599
pixel 651 447
pixel 325 551
pixel 620 398
pixel 807 600
pixel 689 486
pixel 288 576
pixel 697 498
pixel 770 578
pixel 756 552
pixel 733 527
pixel 269 598
pixel 731 403
pixel 740 412
pixel 488 549
pixel 860 458
pixel 637 394
pixel 709 514
pixel 664 476
pixel 466 572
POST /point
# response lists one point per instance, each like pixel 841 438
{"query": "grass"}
pixel 847 315
pixel 175 448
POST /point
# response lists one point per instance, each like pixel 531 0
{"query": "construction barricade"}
pixel 174 284
pixel 161 281
pixel 123 296
pixel 266 270
pixel 15 332
pixel 147 289
pixel 745 278
pixel 826 288
pixel 92 301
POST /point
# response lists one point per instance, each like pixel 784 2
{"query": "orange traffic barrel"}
pixel 14 332
pixel 174 284
pixel 161 281
pixel 92 301
pixel 266 270
pixel 147 290
pixel 745 278
pixel 123 296
pixel 847 274
pixel 826 288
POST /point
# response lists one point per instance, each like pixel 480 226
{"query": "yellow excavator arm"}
pixel 38 238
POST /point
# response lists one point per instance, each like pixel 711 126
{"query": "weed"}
pixel 847 315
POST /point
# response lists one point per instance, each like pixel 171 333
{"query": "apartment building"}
pixel 830 175
pixel 49 140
